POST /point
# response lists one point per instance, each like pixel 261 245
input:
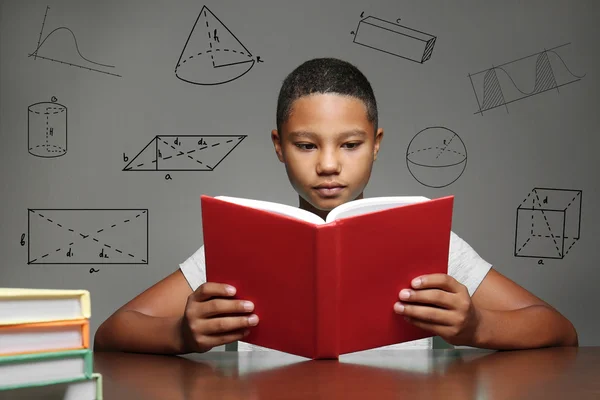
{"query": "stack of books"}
pixel 45 345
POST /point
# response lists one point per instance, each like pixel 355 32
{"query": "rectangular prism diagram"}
pixel 394 39
pixel 88 236
pixel 548 223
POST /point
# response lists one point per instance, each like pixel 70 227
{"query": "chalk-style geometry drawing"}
pixel 436 157
pixel 212 54
pixel 61 46
pixel 394 39
pixel 87 236
pixel 47 129
pixel 548 223
pixel 184 153
pixel 522 78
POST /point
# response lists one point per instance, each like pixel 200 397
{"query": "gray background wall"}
pixel 548 140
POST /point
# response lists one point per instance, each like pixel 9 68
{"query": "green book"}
pixel 78 389
pixel 40 369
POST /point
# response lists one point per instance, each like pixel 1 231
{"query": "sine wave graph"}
pixel 61 46
pixel 522 78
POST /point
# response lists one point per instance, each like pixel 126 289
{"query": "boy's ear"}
pixel 276 138
pixel 378 138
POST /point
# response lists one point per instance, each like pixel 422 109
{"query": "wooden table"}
pixel 553 373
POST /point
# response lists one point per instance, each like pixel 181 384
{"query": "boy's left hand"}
pixel 442 305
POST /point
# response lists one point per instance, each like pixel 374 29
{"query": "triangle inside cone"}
pixel 212 54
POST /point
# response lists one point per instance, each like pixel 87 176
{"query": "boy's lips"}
pixel 328 189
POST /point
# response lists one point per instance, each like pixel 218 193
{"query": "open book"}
pixel 322 288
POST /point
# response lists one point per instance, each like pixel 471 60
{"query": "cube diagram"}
pixel 548 223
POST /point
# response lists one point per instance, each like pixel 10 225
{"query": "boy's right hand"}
pixel 206 322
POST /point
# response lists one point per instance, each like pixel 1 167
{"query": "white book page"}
pixel 364 206
pixel 43 370
pixel 38 310
pixel 277 208
pixel 84 389
pixel 40 339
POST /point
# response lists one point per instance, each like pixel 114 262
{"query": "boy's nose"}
pixel 328 163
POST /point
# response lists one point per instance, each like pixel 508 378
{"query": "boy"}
pixel 328 137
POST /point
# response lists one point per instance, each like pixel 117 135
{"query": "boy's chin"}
pixel 328 203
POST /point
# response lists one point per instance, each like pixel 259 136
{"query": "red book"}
pixel 326 288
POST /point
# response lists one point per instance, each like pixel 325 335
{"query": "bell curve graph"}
pixel 522 78
pixel 60 45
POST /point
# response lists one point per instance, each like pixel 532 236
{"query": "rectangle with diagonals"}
pixel 88 236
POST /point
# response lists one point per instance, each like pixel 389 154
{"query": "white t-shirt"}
pixel 464 265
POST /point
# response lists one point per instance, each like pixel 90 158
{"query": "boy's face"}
pixel 328 148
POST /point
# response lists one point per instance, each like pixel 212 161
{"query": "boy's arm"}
pixel 151 322
pixel 500 315
pixel 511 317
pixel 170 318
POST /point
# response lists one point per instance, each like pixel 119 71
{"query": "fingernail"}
pixel 230 289
pixel 404 294
pixel 246 332
pixel 253 319
pixel 416 282
pixel 399 307
pixel 248 306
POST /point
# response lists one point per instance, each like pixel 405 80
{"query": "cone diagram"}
pixel 212 54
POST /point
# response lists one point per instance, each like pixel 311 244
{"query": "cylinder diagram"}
pixel 47 129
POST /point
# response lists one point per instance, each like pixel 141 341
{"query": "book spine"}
pixel 327 271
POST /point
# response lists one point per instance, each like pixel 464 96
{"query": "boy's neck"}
pixel 305 205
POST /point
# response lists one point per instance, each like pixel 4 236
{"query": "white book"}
pixel 38 369
pixel 44 336
pixel 19 306
pixel 348 209
pixel 83 389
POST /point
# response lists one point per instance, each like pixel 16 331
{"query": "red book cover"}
pixel 323 290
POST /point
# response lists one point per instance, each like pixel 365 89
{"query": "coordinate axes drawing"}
pixel 522 78
pixel 395 39
pixel 436 157
pixel 184 153
pixel 47 129
pixel 61 46
pixel 212 54
pixel 548 223
pixel 87 236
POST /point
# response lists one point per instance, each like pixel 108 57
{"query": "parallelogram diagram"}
pixel 184 153
pixel 519 79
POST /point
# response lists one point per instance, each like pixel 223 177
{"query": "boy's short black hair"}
pixel 325 75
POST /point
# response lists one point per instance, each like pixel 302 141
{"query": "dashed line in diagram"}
pixel 212 54
pixel 548 223
pixel 184 153
pixel 47 129
pixel 393 38
pixel 436 157
pixel 87 236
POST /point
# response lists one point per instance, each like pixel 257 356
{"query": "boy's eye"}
pixel 304 146
pixel 311 146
